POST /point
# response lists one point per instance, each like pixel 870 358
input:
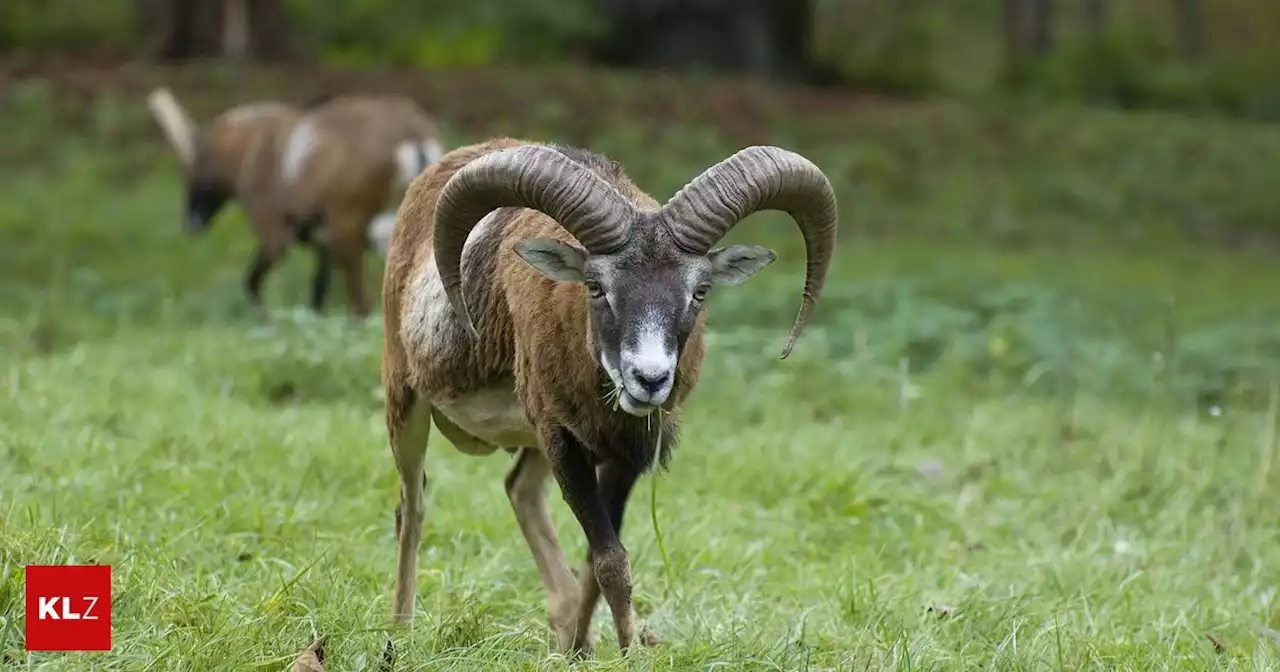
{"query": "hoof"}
pixel 388 662
pixel 263 314
pixel 647 639
pixel 580 651
pixel 401 619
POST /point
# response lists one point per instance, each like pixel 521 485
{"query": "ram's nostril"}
pixel 651 381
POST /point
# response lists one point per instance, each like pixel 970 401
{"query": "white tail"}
pixel 177 126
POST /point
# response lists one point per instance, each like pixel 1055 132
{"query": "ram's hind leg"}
pixel 351 259
pixel 346 227
pixel 266 257
pixel 526 488
pixel 320 279
pixel 408 426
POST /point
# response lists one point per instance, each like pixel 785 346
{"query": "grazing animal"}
pixel 317 175
pixel 579 282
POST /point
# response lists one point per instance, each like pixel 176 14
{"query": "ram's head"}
pixel 646 273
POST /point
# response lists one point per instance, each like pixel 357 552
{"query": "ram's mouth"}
pixel 617 397
pixel 633 407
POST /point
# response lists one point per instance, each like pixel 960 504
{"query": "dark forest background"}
pixel 1194 55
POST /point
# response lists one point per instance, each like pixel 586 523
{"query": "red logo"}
pixel 68 608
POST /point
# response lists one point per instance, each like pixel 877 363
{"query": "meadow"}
pixel 1032 424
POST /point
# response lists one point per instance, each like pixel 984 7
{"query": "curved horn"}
pixel 528 176
pixel 754 179
pixel 174 122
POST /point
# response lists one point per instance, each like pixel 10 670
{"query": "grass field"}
pixel 1032 427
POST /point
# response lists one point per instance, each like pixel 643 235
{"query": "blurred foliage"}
pixel 359 33
pixel 1131 65
pixel 890 47
pixel 73 25
pixel 1066 231
pixel 897 47
pixel 442 33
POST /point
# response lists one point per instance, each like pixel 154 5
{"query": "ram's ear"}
pixel 555 259
pixel 734 264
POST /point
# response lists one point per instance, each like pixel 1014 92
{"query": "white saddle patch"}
pixel 380 232
pixel 302 140
pixel 428 321
pixel 424 322
pixel 413 157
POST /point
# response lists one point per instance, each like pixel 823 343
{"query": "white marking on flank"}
pixel 434 150
pixel 380 231
pixel 430 324
pixel 302 140
pixel 410 161
pixel 425 324
pixel 407 161
pixel 413 157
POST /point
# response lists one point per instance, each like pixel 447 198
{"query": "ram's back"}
pixel 344 152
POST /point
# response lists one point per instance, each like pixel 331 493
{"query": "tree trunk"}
pixel 1190 20
pixel 762 37
pixel 191 29
pixel 1017 31
pixel 1095 18
pixel 1028 29
pixel 1042 32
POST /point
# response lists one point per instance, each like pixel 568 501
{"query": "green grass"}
pixel 1032 426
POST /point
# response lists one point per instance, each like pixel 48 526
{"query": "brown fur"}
pixel 347 177
pixel 242 148
pixel 546 344
pixel 350 175
pixel 533 337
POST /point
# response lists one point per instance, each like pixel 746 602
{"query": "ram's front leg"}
pixel 347 244
pixel 264 259
pixel 615 481
pixel 320 279
pixel 571 464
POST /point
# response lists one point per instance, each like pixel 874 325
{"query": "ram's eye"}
pixel 595 289
pixel 700 292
